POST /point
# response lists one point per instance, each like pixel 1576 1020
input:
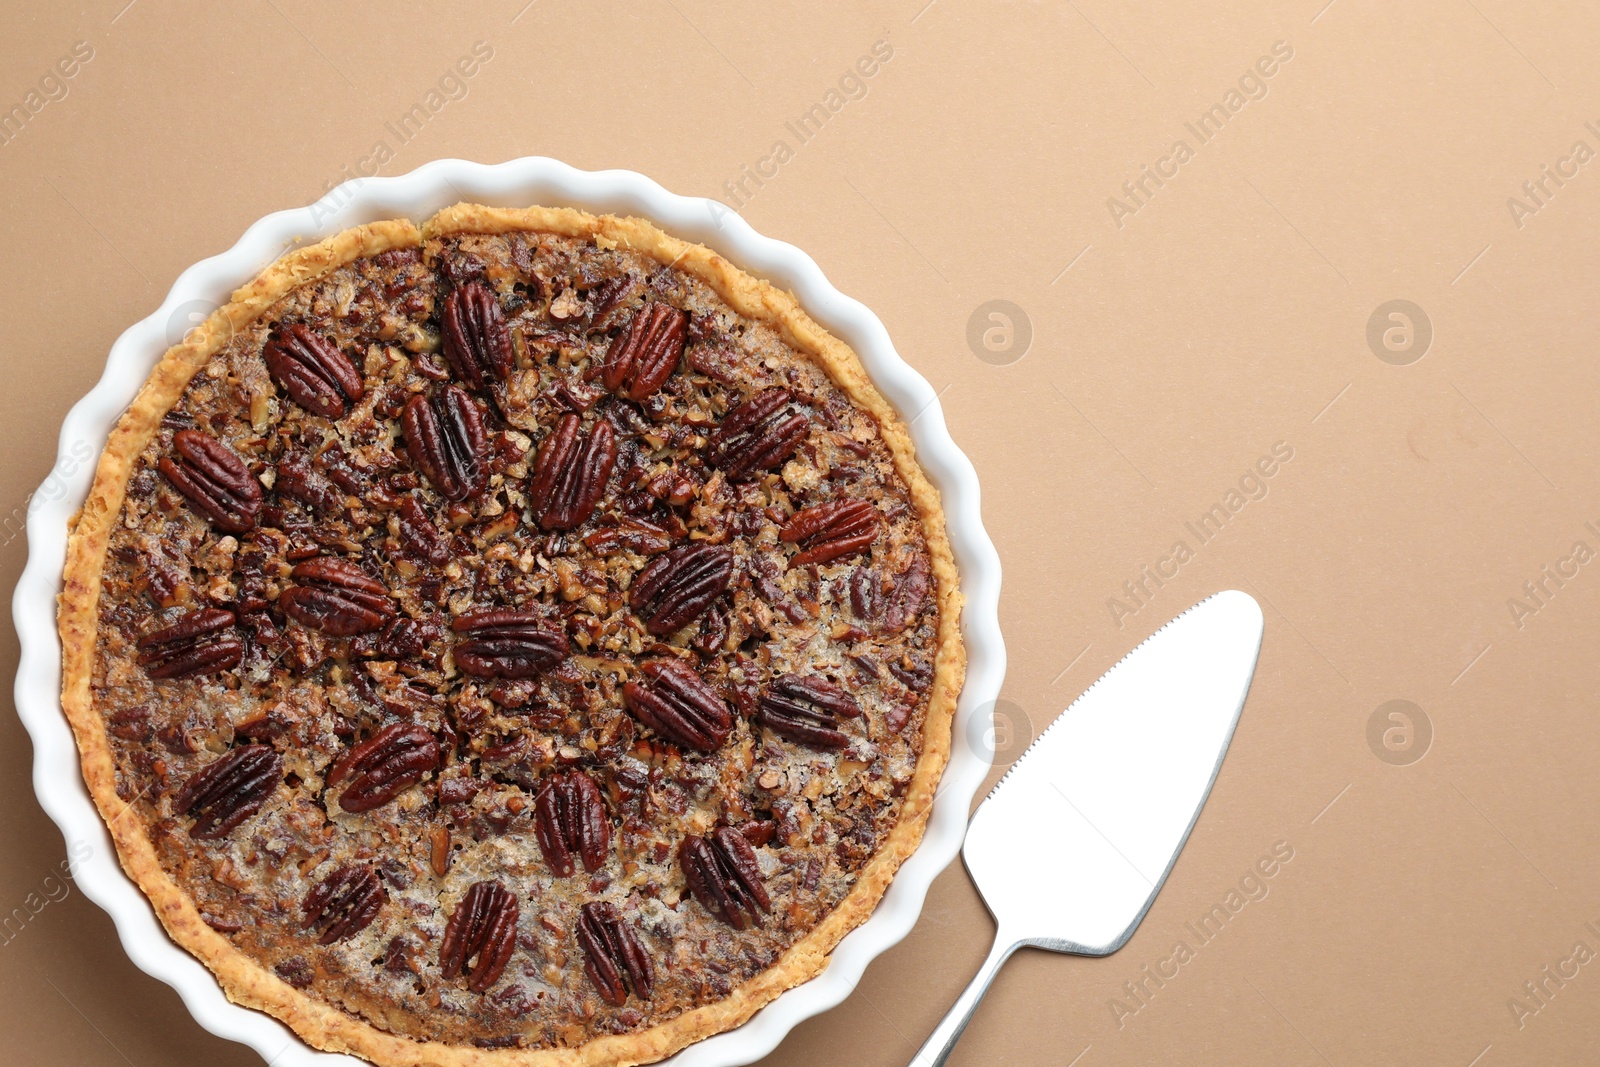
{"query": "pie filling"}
pixel 506 643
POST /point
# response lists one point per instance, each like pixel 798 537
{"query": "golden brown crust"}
pixel 243 979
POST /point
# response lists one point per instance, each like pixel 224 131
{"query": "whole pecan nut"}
pixel 646 352
pixel 385 765
pixel 226 792
pixel 615 960
pixel 203 641
pixel 725 877
pixel 344 903
pixel 570 821
pixel 446 441
pixel 476 340
pixel 337 597
pixel 675 702
pixel 570 474
pixel 828 531
pixel 314 373
pixel 214 479
pixel 501 643
pixel 481 934
pixel 807 708
pixel 759 434
pixel 676 588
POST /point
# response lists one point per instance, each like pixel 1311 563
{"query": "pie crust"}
pixel 244 977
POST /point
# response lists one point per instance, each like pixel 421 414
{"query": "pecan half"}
pixel 888 605
pixel 570 473
pixel 759 434
pixel 675 702
pixel 476 340
pixel 314 373
pixel 500 643
pixel 827 531
pixel 676 588
pixel 385 765
pixel 420 539
pixel 214 479
pixel 616 963
pixel 446 441
pixel 344 903
pixel 203 641
pixel 570 820
pixel 807 708
pixel 295 478
pixel 337 597
pixel 483 928
pixel 634 535
pixel 226 792
pixel 725 876
pixel 646 352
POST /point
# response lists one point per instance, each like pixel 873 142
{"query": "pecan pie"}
pixel 519 639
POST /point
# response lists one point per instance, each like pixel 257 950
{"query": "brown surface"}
pixel 1224 316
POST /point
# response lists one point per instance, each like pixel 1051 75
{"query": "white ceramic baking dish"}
pixel 519 182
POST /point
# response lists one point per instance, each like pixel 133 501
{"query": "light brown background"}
pixel 1227 314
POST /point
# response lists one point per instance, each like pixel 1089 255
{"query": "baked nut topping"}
pixel 344 903
pixel 476 341
pixel 675 589
pixel 201 642
pixel 229 790
pixel 445 439
pixel 617 964
pixel 481 934
pixel 215 480
pixel 725 876
pixel 674 701
pixel 316 375
pixel 646 353
pixel 527 642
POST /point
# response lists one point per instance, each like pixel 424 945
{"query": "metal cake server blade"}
pixel 1076 840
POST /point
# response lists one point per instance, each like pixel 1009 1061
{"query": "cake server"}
pixel 1073 845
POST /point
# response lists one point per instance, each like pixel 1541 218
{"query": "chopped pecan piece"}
pixel 314 373
pixel 446 441
pixel 476 340
pixel 203 641
pixel 615 961
pixel 725 876
pixel 344 903
pixel 501 643
pixel 758 435
pixel 569 474
pixel 646 352
pixel 482 932
pixel 337 597
pixel 674 701
pixel 385 765
pixel 825 532
pixel 570 820
pixel 214 479
pixel 807 708
pixel 226 792
pixel 676 588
